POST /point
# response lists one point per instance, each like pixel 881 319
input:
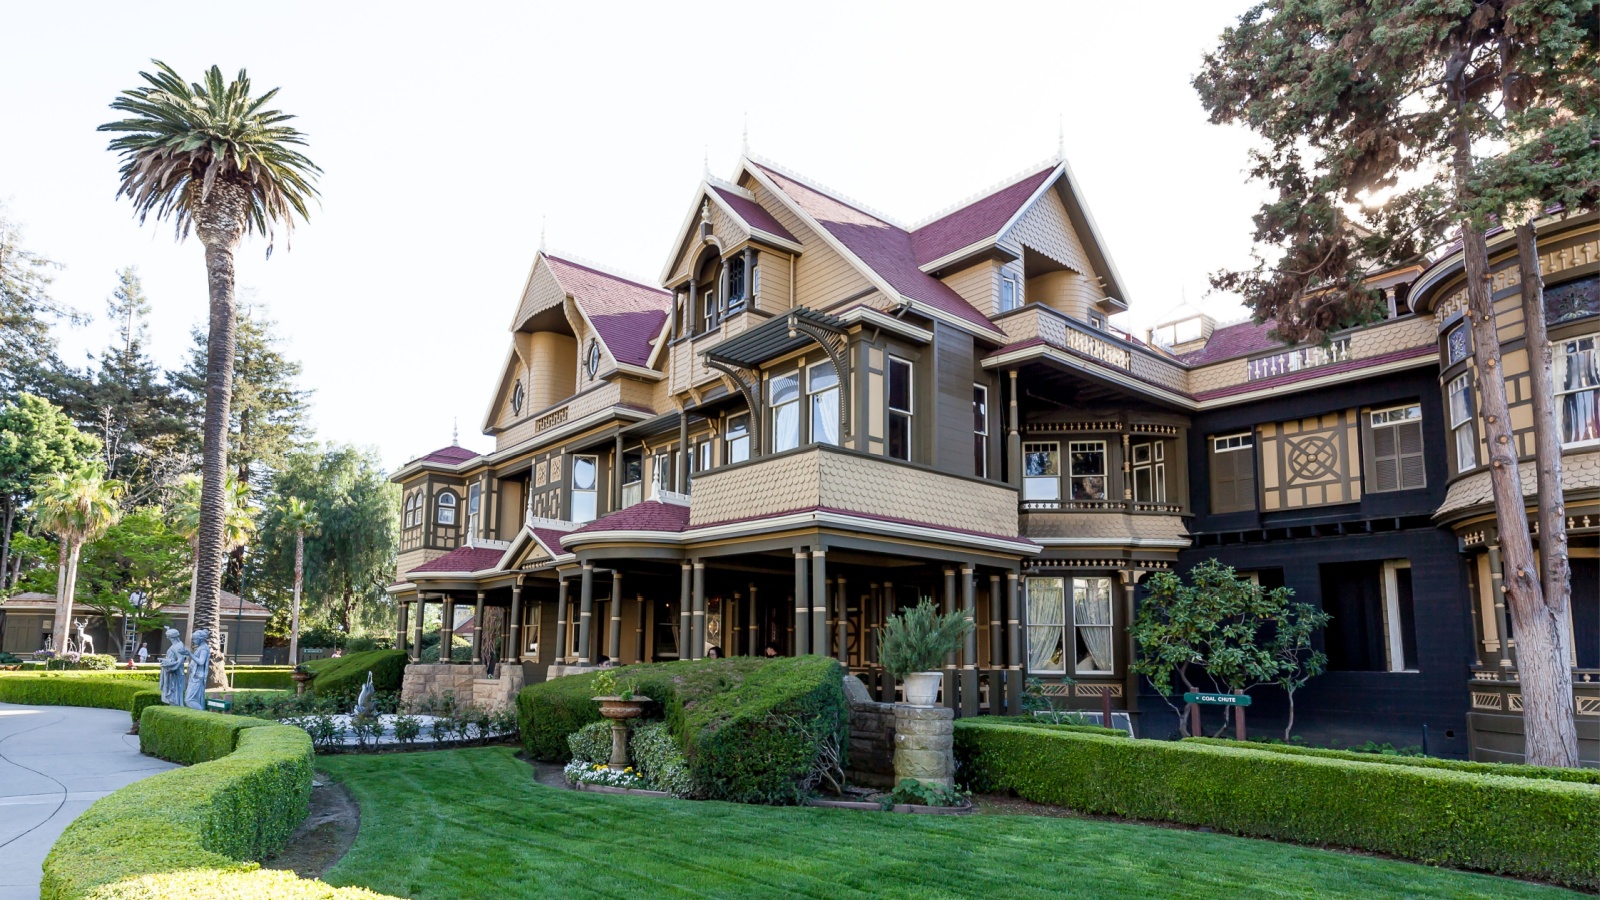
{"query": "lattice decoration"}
pixel 1486 700
pixel 1098 690
pixel 1589 706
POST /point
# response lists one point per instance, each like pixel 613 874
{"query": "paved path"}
pixel 54 762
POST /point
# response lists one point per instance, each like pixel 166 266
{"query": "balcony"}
pixel 1107 348
pixel 830 478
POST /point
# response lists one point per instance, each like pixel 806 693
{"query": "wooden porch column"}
pixel 802 611
pixel 951 692
pixel 614 636
pixel 689 310
pixel 585 612
pixel 1130 686
pixel 639 654
pixel 477 630
pixel 1497 587
pixel 1013 438
pixel 969 653
pixel 685 610
pixel 869 631
pixel 819 602
pixel 515 656
pixel 997 647
pixel 749 277
pixel 752 634
pixel 447 630
pixel 560 654
pixel 416 641
pixel 886 608
pixel 1015 671
pixel 697 646
pixel 681 476
pixel 841 613
pixel 402 610
pixel 616 474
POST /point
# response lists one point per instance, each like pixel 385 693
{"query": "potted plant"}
pixel 913 644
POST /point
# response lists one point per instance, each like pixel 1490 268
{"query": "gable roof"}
pixel 450 456
pixel 752 213
pixel 979 220
pixel 627 315
pixel 883 247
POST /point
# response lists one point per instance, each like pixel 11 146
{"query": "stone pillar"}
pixel 751 630
pixel 416 634
pixel 697 646
pixel 952 693
pixel 819 602
pixel 802 610
pixel 517 643
pixel 685 610
pixel 585 613
pixel 924 744
pixel 614 636
pixel 1013 438
pixel 841 612
pixel 559 656
pixel 997 647
pixel 447 631
pixel 477 630
pixel 402 611
pixel 1015 673
pixel 969 653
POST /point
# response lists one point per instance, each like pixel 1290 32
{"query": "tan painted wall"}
pixel 822 276
pixel 1046 229
pixel 1310 462
pixel 551 367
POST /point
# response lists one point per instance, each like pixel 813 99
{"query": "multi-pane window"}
pixel 632 478
pixel 446 508
pixel 1091 626
pixel 980 431
pixel 1010 293
pixel 1047 626
pixel 822 384
pixel 1086 461
pixel 784 397
pixel 899 409
pixel 738 438
pixel 413 504
pixel 1041 471
pixel 736 293
pixel 585 490
pixel 1461 423
pixel 473 494
pixel 1577 384
pixel 661 472
pixel 1396 461
pixel 1233 472
pixel 1150 472
pixel 709 300
pixel 1456 344
pixel 702 457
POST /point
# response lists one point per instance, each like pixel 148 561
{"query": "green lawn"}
pixel 474 823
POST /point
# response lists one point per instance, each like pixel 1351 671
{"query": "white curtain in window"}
pixel 1047 619
pixel 825 416
pixel 1091 614
pixel 786 427
pixel 1577 380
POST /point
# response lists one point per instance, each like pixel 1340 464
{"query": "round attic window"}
pixel 516 399
pixel 591 359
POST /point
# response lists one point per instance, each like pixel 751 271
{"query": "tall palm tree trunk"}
pixel 220 224
pixel 63 608
pixel 71 588
pixel 294 611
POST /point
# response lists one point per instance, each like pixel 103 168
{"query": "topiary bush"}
pixel 274 679
pixel 345 675
pixel 188 736
pixel 1531 828
pixel 1032 722
pixel 658 760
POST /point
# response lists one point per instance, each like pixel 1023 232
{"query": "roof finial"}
pixel 705 162
pixel 1061 136
pixel 455 432
pixel 744 142
pixel 541 233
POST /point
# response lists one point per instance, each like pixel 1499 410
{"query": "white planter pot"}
pixel 922 688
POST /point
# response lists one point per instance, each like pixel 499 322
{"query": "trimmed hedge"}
pixel 346 675
pixel 1513 770
pixel 749 728
pixel 1535 828
pixel 142 699
pixel 51 689
pixel 190 736
pixel 191 832
pixel 1031 722
pixel 262 679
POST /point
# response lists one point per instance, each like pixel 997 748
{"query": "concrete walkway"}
pixel 54 762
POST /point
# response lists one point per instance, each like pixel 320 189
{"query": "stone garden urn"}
pixel 300 679
pixel 619 711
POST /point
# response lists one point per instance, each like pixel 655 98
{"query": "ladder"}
pixel 128 635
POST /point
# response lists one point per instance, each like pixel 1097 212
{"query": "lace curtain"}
pixel 1047 620
pixel 1091 614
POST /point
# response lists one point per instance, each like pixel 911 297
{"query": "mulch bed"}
pixel 325 836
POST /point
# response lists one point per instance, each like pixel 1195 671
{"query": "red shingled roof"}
pixel 651 515
pixel 1234 340
pixel 627 314
pixel 754 215
pixel 550 539
pixel 982 218
pixel 1317 372
pixel 463 559
pixel 451 455
pixel 883 247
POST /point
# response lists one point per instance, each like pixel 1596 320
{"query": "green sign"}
pixel 1217 699
pixel 218 705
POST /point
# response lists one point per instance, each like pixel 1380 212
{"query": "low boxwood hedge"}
pixel 190 736
pixel 345 675
pixel 1581 776
pixel 750 728
pixel 71 689
pixel 194 831
pixel 142 699
pixel 1031 722
pixel 1535 828
pixel 262 679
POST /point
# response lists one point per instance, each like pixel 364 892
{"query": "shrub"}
pixel 591 744
pixel 345 675
pixel 658 760
pixel 70 689
pixel 190 736
pixel 278 679
pixel 1046 724
pixel 142 699
pixel 924 793
pixel 1536 828
pixel 96 661
pixel 7 659
pixel 919 639
pixel 1514 770
pixel 189 832
pixel 407 729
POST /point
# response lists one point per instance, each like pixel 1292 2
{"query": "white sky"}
pixel 448 131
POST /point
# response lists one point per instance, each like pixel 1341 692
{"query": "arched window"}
pixel 411 510
pixel 447 508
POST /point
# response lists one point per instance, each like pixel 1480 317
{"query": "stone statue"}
pixel 172 669
pixel 194 691
pixel 85 643
pixel 366 702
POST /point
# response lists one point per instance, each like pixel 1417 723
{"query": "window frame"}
pixel 1560 369
pixel 732 438
pixel 1156 464
pixel 896 419
pixel 737 295
pixel 1029 480
pixel 1073 449
pixel 980 430
pixel 708 310
pixel 1109 626
pixel 1059 628
pixel 772 404
pixel 636 495
pixel 1234 442
pixel 573 490
pixel 1393 626
pixel 1394 424
pixel 444 508
pixel 591 359
pixel 1008 280
pixel 1466 422
pixel 1450 334
pixel 517 397
pixel 814 393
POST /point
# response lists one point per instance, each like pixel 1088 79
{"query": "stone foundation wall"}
pixel 466 683
pixel 871 750
pixel 924 744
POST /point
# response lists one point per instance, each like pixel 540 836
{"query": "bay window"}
pixel 822 384
pixel 1041 471
pixel 1577 389
pixel 1091 626
pixel 899 409
pixel 584 491
pixel 1466 440
pixel 784 397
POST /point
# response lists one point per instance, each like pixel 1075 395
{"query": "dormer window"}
pixel 591 359
pixel 1180 332
pixel 1010 293
pixel 517 397
pixel 447 508
pixel 736 291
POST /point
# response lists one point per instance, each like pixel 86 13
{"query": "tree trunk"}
pixel 219 222
pixel 62 608
pixel 194 581
pixel 71 582
pixel 1289 728
pixel 294 611
pixel 1545 675
pixel 5 543
pixel 1555 571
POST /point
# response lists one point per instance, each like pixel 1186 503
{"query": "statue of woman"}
pixel 194 693
pixel 172 669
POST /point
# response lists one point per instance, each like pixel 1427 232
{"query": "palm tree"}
pixel 212 158
pixel 298 515
pixel 238 524
pixel 78 508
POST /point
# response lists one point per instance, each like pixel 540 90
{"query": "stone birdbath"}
pixel 300 676
pixel 619 710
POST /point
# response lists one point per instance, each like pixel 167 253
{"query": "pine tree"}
pixel 27 348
